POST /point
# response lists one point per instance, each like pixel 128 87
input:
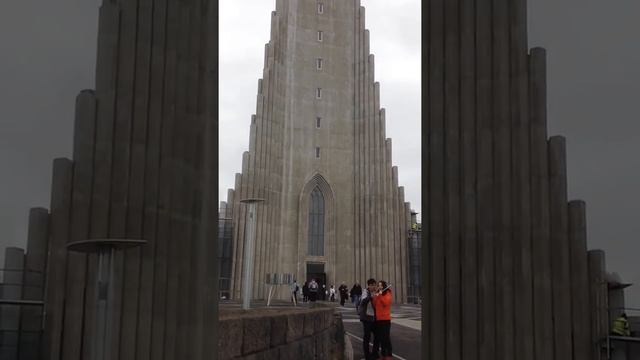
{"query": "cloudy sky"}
pixel 47 55
pixel 395 40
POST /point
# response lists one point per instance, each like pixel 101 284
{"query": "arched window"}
pixel 316 223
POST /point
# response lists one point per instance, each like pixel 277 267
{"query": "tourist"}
pixel 344 293
pixel 294 292
pixel 305 292
pixel 313 290
pixel 382 303
pixel 356 292
pixel 332 294
pixel 366 311
pixel 324 292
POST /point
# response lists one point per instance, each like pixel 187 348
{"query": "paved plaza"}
pixel 405 331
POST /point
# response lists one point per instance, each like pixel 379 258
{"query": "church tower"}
pixel 319 157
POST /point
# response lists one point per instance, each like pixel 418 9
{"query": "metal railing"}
pixel 21 320
pixel 623 344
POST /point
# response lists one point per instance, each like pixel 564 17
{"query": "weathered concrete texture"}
pixel 142 167
pixel 506 255
pixel 276 334
pixel 353 170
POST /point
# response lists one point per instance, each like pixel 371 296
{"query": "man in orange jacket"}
pixel 382 304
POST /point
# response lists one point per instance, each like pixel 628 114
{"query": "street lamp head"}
pixel 251 200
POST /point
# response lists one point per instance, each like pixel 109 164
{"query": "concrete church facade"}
pixel 319 156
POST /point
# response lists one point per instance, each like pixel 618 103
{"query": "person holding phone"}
pixel 381 300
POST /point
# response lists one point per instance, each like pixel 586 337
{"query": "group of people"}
pixel 374 309
pixel 312 291
pixel 373 305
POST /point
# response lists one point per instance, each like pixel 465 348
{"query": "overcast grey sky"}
pixel 395 40
pixel 47 55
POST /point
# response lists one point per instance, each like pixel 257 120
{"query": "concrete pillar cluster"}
pixel 23 276
pixel 508 272
pixel 142 164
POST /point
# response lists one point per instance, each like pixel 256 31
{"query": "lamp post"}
pixel 250 235
pixel 106 250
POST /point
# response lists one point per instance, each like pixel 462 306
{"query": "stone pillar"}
pixel 452 172
pixel 521 190
pixel 598 303
pixel 436 212
pixel 76 274
pixel 484 188
pixel 398 238
pixel 12 285
pixel 58 236
pixel 540 240
pixel 34 280
pixel 560 256
pixel 469 246
pixel 36 257
pixel 502 148
pixel 581 314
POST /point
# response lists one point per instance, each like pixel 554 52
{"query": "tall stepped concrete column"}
pixel 12 286
pixel 580 311
pixel 540 235
pixel 560 256
pixel 468 161
pixel 486 205
pixel 34 282
pixel 58 236
pixel 436 212
pixel 598 303
pixel 521 176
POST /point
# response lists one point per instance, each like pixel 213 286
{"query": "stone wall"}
pixel 281 334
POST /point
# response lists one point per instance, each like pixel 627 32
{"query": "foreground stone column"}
pixel 598 303
pixel 59 234
pixel 540 240
pixel 34 280
pixel 560 256
pixel 581 314
pixel 12 273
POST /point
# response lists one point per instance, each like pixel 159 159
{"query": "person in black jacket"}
pixel 344 293
pixel 305 292
pixel 356 292
pixel 367 317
